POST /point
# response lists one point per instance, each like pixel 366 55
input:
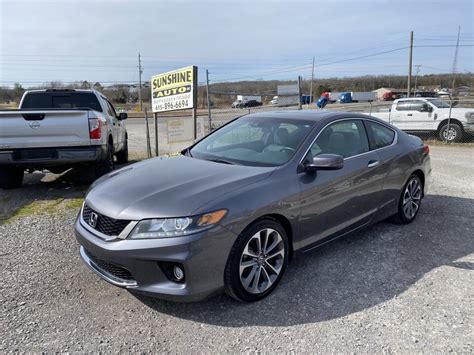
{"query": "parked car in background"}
pixel 242 101
pixel 252 103
pixel 238 104
pixel 430 115
pixel 235 207
pixel 274 100
pixel 60 129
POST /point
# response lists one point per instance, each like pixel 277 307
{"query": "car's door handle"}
pixel 373 163
pixel 409 114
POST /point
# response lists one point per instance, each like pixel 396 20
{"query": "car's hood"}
pixel 168 187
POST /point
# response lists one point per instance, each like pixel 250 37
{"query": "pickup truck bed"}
pixel 60 129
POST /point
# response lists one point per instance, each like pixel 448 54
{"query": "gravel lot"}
pixel 389 288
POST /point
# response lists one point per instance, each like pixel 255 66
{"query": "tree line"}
pixel 222 94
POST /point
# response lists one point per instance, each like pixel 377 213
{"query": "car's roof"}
pixel 310 115
pixel 62 90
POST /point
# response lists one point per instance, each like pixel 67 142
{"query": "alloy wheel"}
pixel 262 261
pixel 411 198
pixel 450 134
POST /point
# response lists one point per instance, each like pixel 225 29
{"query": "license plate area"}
pixel 35 154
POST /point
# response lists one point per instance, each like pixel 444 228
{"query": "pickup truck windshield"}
pixel 61 100
pixel 438 103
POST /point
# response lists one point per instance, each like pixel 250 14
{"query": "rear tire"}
pixel 107 165
pixel 454 134
pixel 122 156
pixel 11 177
pixel 410 201
pixel 257 261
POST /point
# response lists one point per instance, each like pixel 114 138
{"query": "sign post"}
pixel 172 91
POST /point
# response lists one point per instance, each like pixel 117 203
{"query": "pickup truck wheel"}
pixel 11 178
pixel 122 156
pixel 454 134
pixel 107 165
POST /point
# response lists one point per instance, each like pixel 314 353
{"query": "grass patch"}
pixel 43 207
pixel 73 203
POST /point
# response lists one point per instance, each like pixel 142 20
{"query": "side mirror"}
pixel 326 162
pixel 122 116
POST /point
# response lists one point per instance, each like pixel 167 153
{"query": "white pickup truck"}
pixel 430 115
pixel 60 129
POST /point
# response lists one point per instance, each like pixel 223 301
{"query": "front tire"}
pixel 257 261
pixel 454 134
pixel 11 177
pixel 410 200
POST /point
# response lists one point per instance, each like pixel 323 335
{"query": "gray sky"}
pixel 99 40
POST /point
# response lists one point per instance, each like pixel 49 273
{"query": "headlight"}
pixel 469 116
pixel 175 227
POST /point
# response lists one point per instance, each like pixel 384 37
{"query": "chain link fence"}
pixel 453 123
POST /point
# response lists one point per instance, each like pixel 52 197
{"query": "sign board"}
pixel 174 90
pixel 288 95
pixel 179 130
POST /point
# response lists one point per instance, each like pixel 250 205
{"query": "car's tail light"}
pixel 95 128
pixel 426 149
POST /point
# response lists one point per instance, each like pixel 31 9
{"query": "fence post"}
pixel 449 118
pixel 299 93
pixel 156 134
pixel 148 144
pixel 208 101
pixel 370 112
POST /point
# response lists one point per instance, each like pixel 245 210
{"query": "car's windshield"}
pixel 438 103
pixel 254 141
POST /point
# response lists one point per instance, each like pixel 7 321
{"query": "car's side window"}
pixel 380 136
pixel 416 105
pixel 403 106
pixel 346 138
pixel 111 109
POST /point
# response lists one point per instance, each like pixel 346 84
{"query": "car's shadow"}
pixel 43 187
pixel 352 274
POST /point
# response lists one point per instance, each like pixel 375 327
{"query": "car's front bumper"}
pixel 203 257
pixel 469 128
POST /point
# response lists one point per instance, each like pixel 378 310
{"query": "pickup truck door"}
pixel 413 116
pixel 116 126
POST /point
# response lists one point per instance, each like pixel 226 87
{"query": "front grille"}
pixel 104 224
pixel 116 270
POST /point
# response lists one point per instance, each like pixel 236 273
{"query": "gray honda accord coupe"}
pixel 231 211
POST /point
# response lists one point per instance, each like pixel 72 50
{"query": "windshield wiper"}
pixel 222 161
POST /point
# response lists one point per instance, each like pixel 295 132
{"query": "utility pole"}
pixel 140 71
pixel 208 101
pixel 455 60
pixel 311 86
pixel 416 75
pixel 410 60
pixel 299 93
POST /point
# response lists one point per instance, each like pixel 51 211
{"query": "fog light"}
pixel 178 273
